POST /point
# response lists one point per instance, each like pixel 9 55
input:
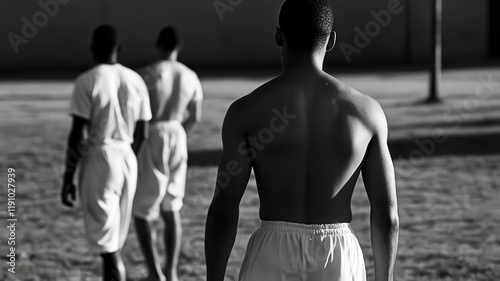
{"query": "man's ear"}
pixel 278 37
pixel 331 41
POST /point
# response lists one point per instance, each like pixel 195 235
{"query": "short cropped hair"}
pixel 306 23
pixel 168 39
pixel 104 42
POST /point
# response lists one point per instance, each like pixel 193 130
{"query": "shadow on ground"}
pixel 483 144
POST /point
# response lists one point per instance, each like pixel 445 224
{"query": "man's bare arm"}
pixel 379 179
pixel 232 179
pixel 140 134
pixel 194 115
pixel 73 156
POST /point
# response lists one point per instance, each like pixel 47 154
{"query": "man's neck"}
pixel 302 60
pixel 111 61
pixel 169 56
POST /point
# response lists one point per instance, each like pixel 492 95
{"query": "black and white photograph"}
pixel 250 140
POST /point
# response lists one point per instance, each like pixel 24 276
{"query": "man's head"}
pixel 104 43
pixel 168 40
pixel 305 24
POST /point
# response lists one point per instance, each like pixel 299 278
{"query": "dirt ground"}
pixel 447 158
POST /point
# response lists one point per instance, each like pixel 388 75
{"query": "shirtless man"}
pixel 308 137
pixel 176 96
pixel 110 107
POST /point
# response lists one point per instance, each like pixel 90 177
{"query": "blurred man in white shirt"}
pixel 110 107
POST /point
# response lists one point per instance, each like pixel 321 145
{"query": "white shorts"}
pixel 162 171
pixel 107 181
pixel 291 251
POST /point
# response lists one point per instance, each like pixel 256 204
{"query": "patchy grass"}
pixel 449 201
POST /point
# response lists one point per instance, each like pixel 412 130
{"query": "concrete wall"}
pixel 244 38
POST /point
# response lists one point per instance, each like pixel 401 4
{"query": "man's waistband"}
pixel 109 142
pixel 308 229
pixel 165 123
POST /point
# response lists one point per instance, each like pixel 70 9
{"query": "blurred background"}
pixel 446 153
pixel 55 34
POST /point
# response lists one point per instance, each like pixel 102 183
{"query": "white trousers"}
pixel 299 252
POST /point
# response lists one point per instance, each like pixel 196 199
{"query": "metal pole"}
pixel 436 70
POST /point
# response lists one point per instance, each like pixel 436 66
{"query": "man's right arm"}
pixel 73 156
pixel 379 179
pixel 223 215
pixel 80 109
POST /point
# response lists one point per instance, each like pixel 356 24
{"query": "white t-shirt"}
pixel 112 98
pixel 172 87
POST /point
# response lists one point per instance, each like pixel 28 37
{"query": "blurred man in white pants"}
pixel 176 98
pixel 110 107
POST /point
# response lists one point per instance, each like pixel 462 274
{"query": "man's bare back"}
pixel 307 137
pixel 176 97
pixel 306 145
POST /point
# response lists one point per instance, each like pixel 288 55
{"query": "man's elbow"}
pixel 218 215
pixel 388 219
pixel 394 216
pixel 394 223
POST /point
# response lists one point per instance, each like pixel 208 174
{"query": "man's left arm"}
pixel 140 134
pixel 223 214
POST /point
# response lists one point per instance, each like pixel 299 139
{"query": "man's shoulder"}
pixel 89 74
pixel 359 100
pixel 131 75
pixel 241 112
pixel 176 66
pixel 249 101
pixel 128 71
pixel 144 70
pixel 264 91
pixel 362 105
pixel 184 69
pixel 238 106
